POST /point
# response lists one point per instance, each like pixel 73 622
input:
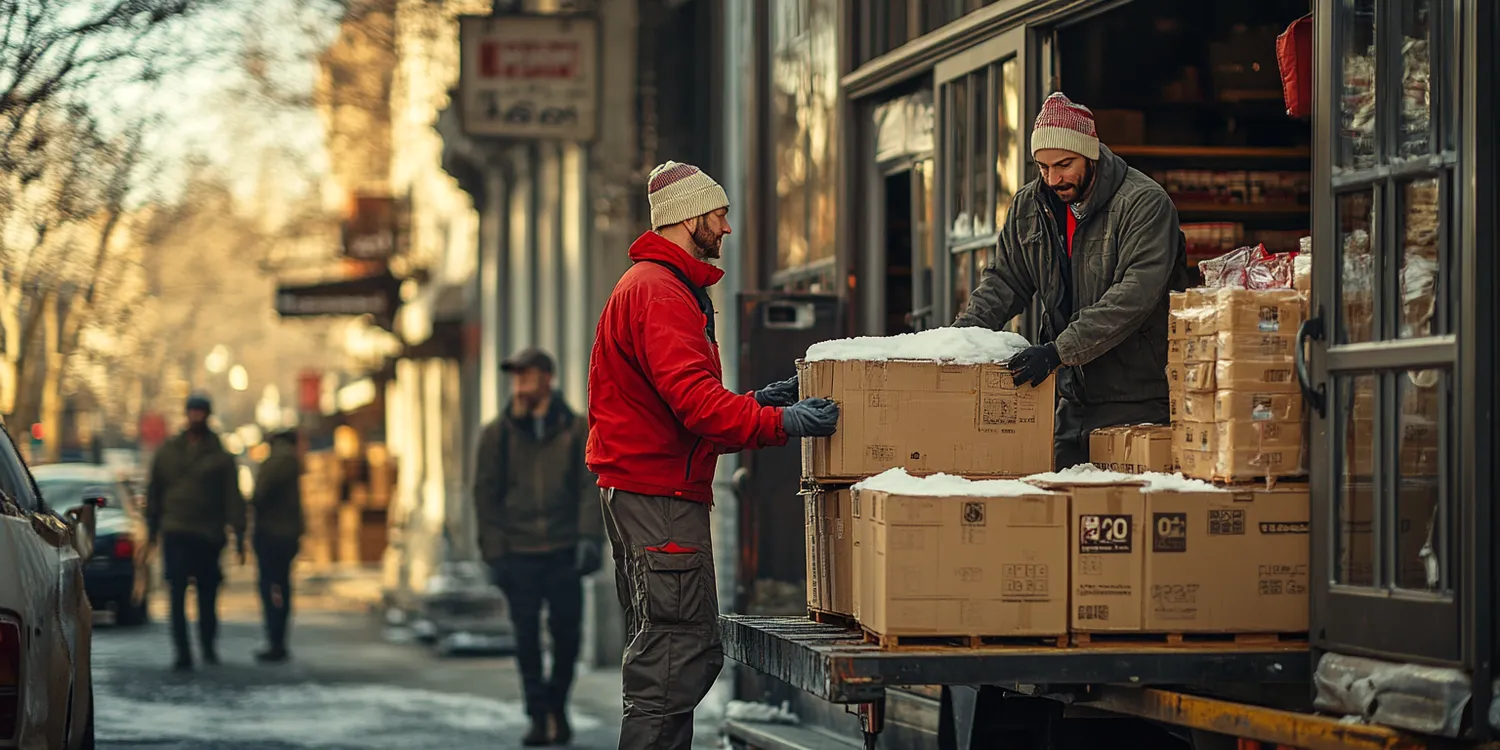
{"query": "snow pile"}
pixel 898 482
pixel 960 346
pixel 761 713
pixel 1091 475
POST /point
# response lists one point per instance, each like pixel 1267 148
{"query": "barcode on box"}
pixel 1094 612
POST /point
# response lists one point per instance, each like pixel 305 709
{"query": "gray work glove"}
pixel 780 393
pixel 810 417
pixel 590 557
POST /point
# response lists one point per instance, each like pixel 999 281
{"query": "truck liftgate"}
pixel 1159 683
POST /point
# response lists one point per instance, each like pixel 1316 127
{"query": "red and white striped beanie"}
pixel 678 192
pixel 1065 125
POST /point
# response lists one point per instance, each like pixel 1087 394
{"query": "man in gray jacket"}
pixel 1098 242
pixel 540 530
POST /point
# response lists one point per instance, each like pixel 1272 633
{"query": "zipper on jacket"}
pixel 1072 281
pixel 687 474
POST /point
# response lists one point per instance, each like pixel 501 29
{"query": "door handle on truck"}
pixel 1310 330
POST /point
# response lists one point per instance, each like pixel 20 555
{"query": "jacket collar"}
pixel 558 415
pixel 1109 175
pixel 654 247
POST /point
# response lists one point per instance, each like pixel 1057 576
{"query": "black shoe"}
pixel 273 656
pixel 562 732
pixel 537 736
pixel 210 657
pixel 184 663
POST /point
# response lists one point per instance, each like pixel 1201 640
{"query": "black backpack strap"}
pixel 705 303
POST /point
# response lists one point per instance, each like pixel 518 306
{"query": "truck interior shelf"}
pixel 834 663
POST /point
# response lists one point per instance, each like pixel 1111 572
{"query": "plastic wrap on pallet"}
pixel 1430 700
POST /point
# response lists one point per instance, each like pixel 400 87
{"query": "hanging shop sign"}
pixel 376 295
pixel 372 232
pixel 530 77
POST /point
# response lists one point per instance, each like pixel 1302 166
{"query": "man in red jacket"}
pixel 659 417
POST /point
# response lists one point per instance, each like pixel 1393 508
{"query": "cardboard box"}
pixel 1106 558
pixel 1227 561
pixel 1415 513
pixel 1133 448
pixel 1257 311
pixel 1192 378
pixel 940 566
pixel 1188 321
pixel 1262 436
pixel 1193 350
pixel 1258 346
pixel 927 417
pixel 1235 405
pixel 830 551
pixel 1254 375
pixel 1230 465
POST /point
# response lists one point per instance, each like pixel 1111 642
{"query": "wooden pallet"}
pixel 1084 640
pixel 1269 482
pixel 965 641
pixel 830 618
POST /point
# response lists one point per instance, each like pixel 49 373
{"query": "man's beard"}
pixel 709 245
pixel 1081 190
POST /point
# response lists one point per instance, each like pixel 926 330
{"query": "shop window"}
pixel 804 94
pixel 983 154
pixel 884 25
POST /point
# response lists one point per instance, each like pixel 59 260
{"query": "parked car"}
pixel 46 622
pixel 118 576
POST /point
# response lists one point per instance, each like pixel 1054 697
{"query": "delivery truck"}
pixel 1394 362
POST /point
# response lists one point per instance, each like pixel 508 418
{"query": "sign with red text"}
pixel 529 77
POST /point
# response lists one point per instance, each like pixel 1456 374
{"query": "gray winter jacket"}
pixel 1105 308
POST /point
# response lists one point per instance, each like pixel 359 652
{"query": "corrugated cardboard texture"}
pixel 1199 312
pixel 1262 375
pixel 1106 558
pixel 961 565
pixel 1232 405
pixel 1134 449
pixel 1227 562
pixel 1355 562
pixel 1216 436
pixel 1265 346
pixel 1239 465
pixel 928 417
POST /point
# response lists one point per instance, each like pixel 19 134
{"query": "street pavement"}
pixel 353 683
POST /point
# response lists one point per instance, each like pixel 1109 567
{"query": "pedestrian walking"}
pixel 660 416
pixel 540 531
pixel 1099 244
pixel 192 498
pixel 276 506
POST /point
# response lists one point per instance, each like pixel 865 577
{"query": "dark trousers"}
pixel 664 569
pixel 273 556
pixel 190 558
pixel 1075 421
pixel 529 582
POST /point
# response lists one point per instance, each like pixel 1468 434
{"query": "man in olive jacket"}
pixel 540 530
pixel 277 507
pixel 193 497
pixel 1099 243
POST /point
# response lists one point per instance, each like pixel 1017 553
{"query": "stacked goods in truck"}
pixel 1159 553
pixel 1236 406
pixel 1133 449
pixel 830 549
pixel 946 556
pixel 929 402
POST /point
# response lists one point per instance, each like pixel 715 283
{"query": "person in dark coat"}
pixel 192 499
pixel 277 508
pixel 540 530
pixel 1099 244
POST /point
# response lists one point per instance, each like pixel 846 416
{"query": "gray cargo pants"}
pixel 1075 421
pixel 664 573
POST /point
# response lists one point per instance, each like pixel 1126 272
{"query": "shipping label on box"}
pixel 1132 448
pixel 1257 406
pixel 927 417
pixel 1262 375
pixel 1228 561
pixel 963 565
pixel 1107 557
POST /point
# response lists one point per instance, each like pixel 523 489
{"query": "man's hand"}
pixel 590 557
pixel 810 417
pixel 780 393
pixel 1034 364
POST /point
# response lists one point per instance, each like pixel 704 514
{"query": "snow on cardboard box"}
pixel 929 402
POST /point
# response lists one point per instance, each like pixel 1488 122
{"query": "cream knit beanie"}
pixel 1065 125
pixel 678 192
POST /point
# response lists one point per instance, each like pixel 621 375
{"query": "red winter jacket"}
pixel 659 414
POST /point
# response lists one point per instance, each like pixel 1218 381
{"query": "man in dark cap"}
pixel 192 498
pixel 277 507
pixel 540 530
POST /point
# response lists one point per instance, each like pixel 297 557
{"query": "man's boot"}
pixel 210 656
pixel 273 655
pixel 562 732
pixel 537 736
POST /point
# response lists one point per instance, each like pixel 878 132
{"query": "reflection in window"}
pixel 1007 142
pixel 1420 537
pixel 1357 284
pixel 1419 259
pixel 960 196
pixel 804 89
pixel 1415 138
pixel 1355 485
pixel 1356 142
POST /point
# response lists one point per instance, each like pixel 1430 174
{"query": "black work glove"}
pixel 1034 364
pixel 590 557
pixel 780 393
pixel 810 417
